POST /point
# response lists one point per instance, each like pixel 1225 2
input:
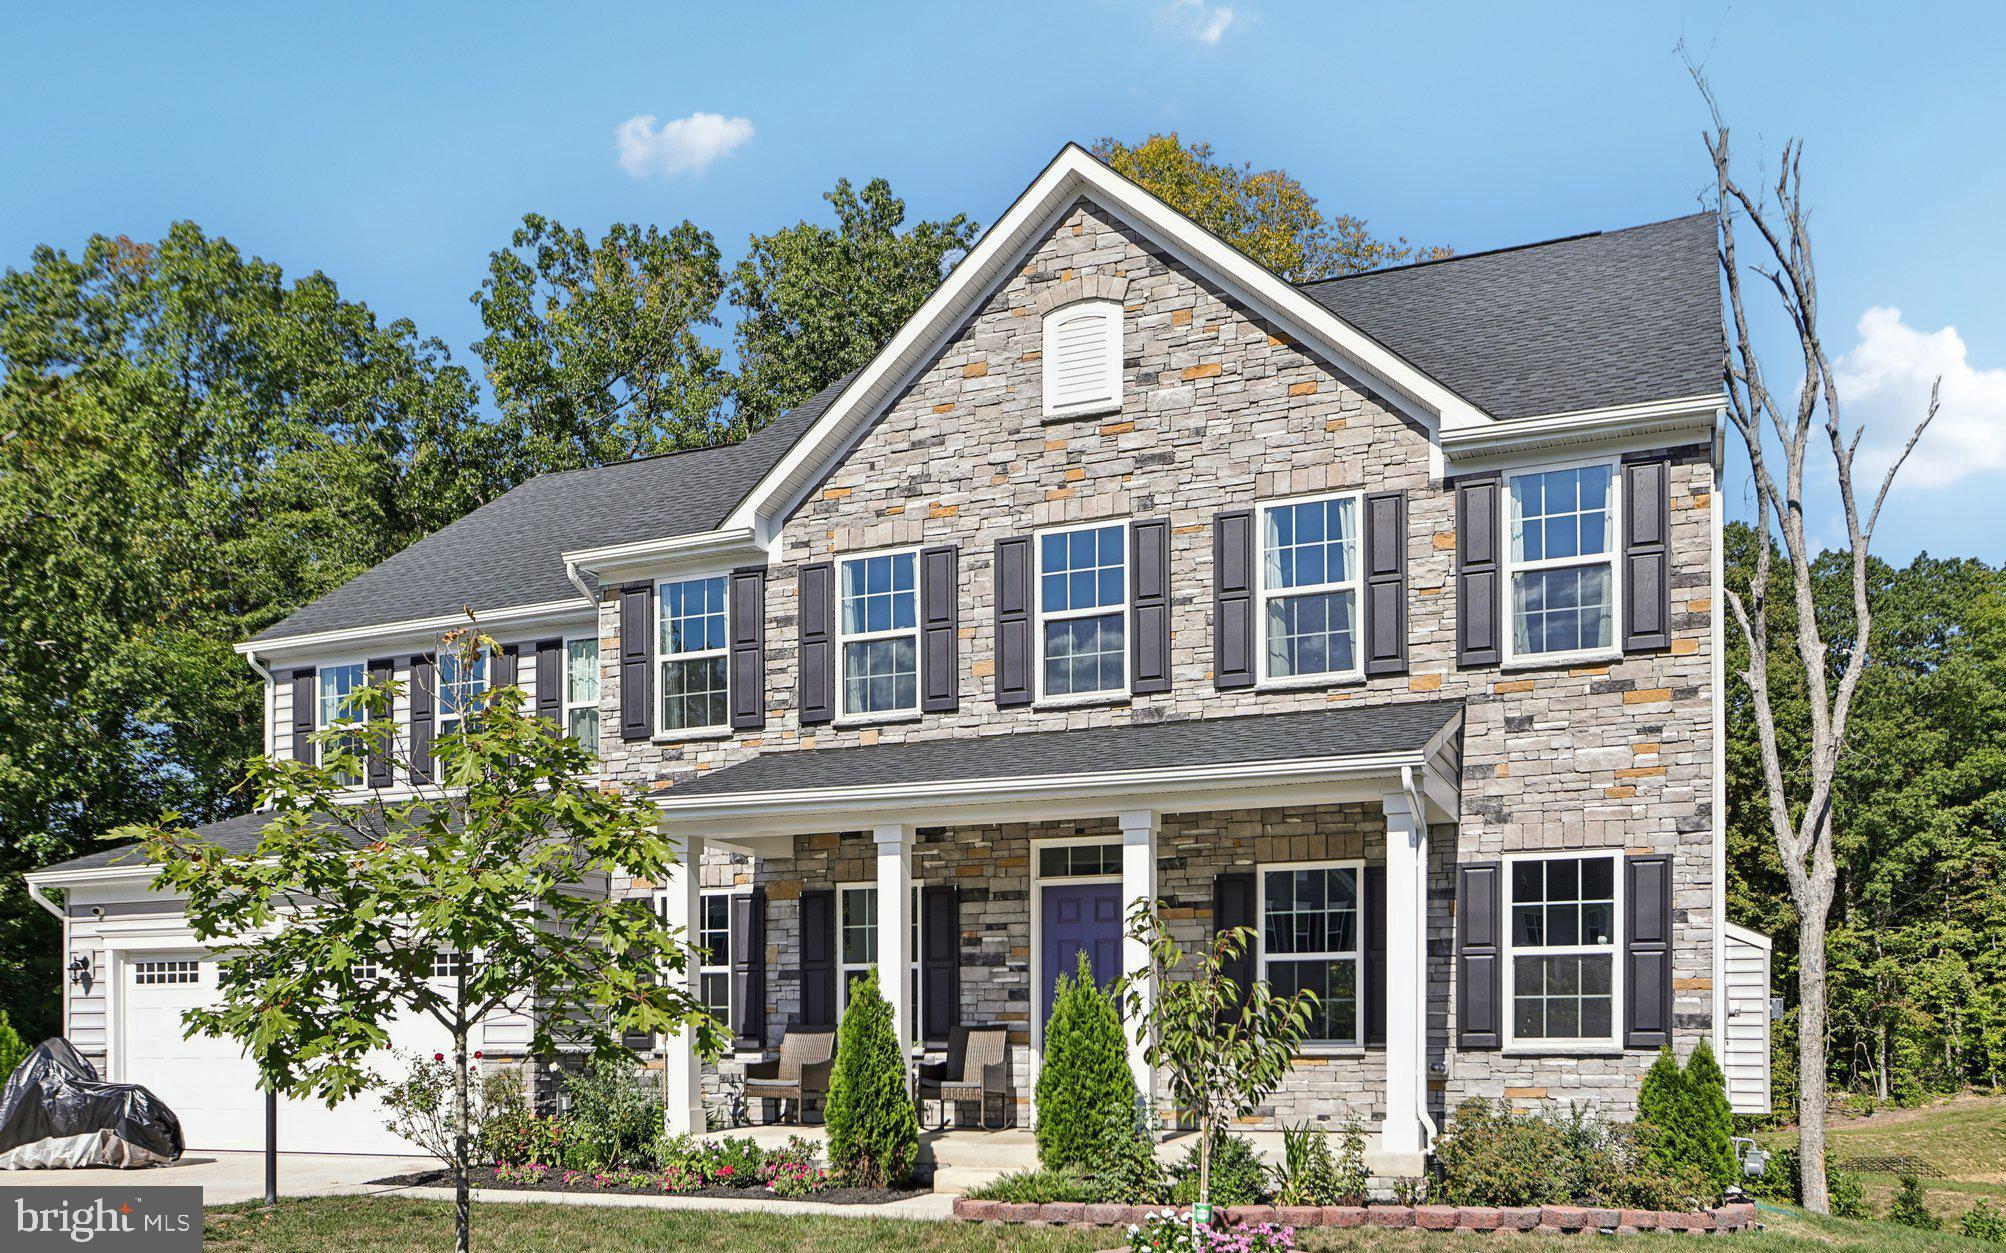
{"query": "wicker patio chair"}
pixel 977 1067
pixel 800 1074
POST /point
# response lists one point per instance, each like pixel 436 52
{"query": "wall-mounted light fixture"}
pixel 81 973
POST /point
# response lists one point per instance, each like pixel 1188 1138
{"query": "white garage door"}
pixel 212 1087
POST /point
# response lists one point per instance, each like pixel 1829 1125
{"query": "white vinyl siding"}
pixel 1082 358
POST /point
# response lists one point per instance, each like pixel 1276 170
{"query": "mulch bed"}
pixel 1543 1219
pixel 483 1177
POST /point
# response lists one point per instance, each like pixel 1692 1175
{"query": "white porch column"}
pixel 1406 980
pixel 682 1078
pixel 1138 887
pixel 895 927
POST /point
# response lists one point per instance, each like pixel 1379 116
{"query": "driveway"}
pixel 227 1177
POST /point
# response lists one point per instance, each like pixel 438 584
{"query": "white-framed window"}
pixel 366 969
pixel 877 634
pixel 857 943
pixel 1081 354
pixel 1560 560
pixel 1079 859
pixel 1310 559
pixel 1082 577
pixel 338 683
pixel 447 963
pixel 714 939
pixel 171 970
pixel 462 682
pixel 1562 973
pixel 581 690
pixel 693 656
pixel 1312 927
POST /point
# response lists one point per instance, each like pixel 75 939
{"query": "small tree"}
pixel 1709 1120
pixel 472 894
pixel 872 1124
pixel 1661 1100
pixel 1084 1076
pixel 12 1047
pixel 1224 1047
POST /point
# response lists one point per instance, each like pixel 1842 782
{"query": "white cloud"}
pixel 684 145
pixel 1201 20
pixel 1884 382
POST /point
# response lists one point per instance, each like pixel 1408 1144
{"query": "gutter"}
pixel 38 894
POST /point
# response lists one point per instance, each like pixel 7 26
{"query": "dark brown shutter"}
pixel 424 670
pixel 1385 615
pixel 1233 599
pixel 818 958
pixel 550 679
pixel 1233 906
pixel 748 968
pixel 940 958
pixel 746 624
pixel 1480 956
pixel 1375 955
pixel 1149 602
pixel 1015 654
pixel 637 661
pixel 306 703
pixel 1479 573
pixel 382 672
pixel 1647 951
pixel 816 591
pixel 508 671
pixel 1647 583
pixel 940 625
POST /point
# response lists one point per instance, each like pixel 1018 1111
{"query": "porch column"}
pixel 682 1078
pixel 895 928
pixel 1406 979
pixel 1138 887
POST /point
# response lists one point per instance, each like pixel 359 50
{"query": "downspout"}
pixel 1412 788
pixel 41 897
pixel 578 581
pixel 257 666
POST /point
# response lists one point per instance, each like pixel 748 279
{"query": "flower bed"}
pixel 1543 1219
pixel 798 1183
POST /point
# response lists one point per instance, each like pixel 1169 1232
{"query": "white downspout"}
pixel 40 897
pixel 1413 790
pixel 270 745
pixel 578 581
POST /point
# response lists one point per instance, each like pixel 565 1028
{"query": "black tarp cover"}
pixel 56 1095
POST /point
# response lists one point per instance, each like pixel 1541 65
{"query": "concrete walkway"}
pixel 228 1177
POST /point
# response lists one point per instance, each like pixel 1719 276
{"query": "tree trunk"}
pixel 462 1217
pixel 1204 1165
pixel 1811 1102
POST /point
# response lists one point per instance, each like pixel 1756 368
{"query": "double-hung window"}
pixel 694 657
pixel 714 942
pixel 1563 968
pixel 338 684
pixel 1561 531
pixel 1311 920
pixel 581 691
pixel 1083 611
pixel 1309 588
pixel 877 627
pixel 857 942
pixel 462 682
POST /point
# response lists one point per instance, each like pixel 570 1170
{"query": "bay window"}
pixel 1560 526
pixel 1309 588
pixel 1562 971
pixel 1082 581
pixel 1311 921
pixel 693 657
pixel 877 632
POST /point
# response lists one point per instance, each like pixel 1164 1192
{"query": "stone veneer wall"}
pixel 1221 411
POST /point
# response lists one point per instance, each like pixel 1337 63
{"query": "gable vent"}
pixel 1082 355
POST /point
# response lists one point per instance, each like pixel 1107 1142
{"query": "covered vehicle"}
pixel 56 1113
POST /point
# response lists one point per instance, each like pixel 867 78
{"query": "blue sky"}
pixel 394 146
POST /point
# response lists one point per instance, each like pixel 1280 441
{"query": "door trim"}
pixel 1038 974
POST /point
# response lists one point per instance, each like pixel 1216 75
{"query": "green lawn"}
pixel 392 1225
pixel 1964 1138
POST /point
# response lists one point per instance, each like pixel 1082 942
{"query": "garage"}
pixel 213 1088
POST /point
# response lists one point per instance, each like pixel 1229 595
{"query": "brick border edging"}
pixel 1544 1219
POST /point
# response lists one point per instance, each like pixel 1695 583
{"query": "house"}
pixel 1380 614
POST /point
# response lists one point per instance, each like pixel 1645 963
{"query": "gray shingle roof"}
pixel 1358 731
pixel 237 835
pixel 1579 323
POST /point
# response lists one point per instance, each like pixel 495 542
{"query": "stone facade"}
pixel 1222 411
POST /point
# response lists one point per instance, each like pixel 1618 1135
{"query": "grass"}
pixel 1965 1138
pixel 395 1225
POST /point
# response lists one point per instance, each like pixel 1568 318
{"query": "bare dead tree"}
pixel 1800 816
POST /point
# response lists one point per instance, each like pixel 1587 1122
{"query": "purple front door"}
pixel 1083 918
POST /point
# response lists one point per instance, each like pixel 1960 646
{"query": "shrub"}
pixel 1619 1167
pixel 510 1133
pixel 1040 1187
pixel 1170 1232
pixel 1781 1180
pixel 12 1047
pixel 1491 1156
pixel 420 1107
pixel 1661 1098
pixel 1311 1176
pixel 1084 1073
pixel 873 1126
pixel 1982 1222
pixel 1908 1208
pixel 1707 1129
pixel 1127 1168
pixel 611 1121
pixel 1238 1175
pixel 1844 1194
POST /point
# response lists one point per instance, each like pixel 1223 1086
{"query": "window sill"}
pixel 1083 702
pixel 1311 682
pixel 1532 1049
pixel 1330 1050
pixel 1558 661
pixel 685 737
pixel 1080 415
pixel 859 721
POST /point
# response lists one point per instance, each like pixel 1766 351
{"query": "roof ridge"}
pixel 1492 252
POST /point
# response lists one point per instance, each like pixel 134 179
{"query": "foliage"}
pixel 1706 1125
pixel 611 1120
pixel 1493 1156
pixel 873 1126
pixel 12 1048
pixel 793 338
pixel 1982 1222
pixel 1167 1231
pixel 1239 1177
pixel 1084 1075
pixel 1909 1209
pixel 1044 1185
pixel 1224 1048
pixel 511 1132
pixel 420 1106
pixel 1662 1096
pixel 595 350
pixel 1265 214
pixel 1310 1175
pixel 1782 1180
pixel 1126 1167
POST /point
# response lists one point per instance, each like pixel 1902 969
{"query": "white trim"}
pixel 844 714
pixel 1109 349
pixel 1612 557
pixel 1263 593
pixel 320 722
pixel 1657 420
pixel 658 647
pixel 1510 951
pixel 1040 977
pixel 660 558
pixel 916 968
pixel 1717 684
pixel 565 705
pixel 417 631
pixel 1040 617
pixel 1357 955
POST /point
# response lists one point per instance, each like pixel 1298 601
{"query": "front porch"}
pixel 970 872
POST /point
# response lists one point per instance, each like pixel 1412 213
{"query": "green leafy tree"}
pixel 872 1123
pixel 1910 1208
pixel 1084 1075
pixel 1224 1048
pixel 594 349
pixel 12 1047
pixel 333 927
pixel 1708 1122
pixel 1264 213
pixel 817 302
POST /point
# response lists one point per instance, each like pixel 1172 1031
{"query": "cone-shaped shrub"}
pixel 12 1047
pixel 1083 1077
pixel 1662 1099
pixel 872 1124
pixel 1709 1122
